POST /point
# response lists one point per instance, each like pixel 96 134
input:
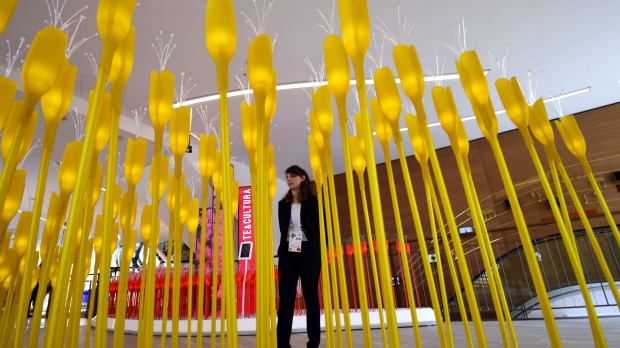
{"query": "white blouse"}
pixel 295 222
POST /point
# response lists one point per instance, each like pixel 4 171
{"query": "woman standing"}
pixel 299 255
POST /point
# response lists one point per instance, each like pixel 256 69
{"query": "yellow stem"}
pixel 150 264
pixel 598 252
pixel 164 318
pixel 332 265
pixel 108 222
pixel 121 306
pixel 53 330
pixel 470 189
pixel 201 277
pixel 376 204
pixel 35 324
pixel 215 270
pixel 327 302
pixel 526 242
pixel 20 328
pixel 228 247
pixel 401 240
pixel 373 261
pixel 176 241
pixel 425 260
pixel 602 201
pixel 485 248
pixel 355 229
pixel 458 247
pixel 570 245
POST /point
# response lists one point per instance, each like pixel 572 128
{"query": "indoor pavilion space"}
pixel 328 173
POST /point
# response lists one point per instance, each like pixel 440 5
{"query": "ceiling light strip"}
pixel 300 85
pixel 498 112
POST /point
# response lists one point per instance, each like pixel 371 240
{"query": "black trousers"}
pixel 291 267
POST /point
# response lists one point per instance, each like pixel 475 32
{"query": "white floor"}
pixel 247 326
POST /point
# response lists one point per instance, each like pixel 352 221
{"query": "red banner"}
pixel 247 263
pixel 246 220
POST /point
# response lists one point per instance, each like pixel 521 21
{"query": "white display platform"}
pixel 247 326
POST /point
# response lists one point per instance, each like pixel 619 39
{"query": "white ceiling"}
pixel 567 45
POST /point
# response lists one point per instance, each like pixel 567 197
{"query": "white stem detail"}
pixel 185 89
pixel 12 58
pixel 211 124
pixel 316 76
pixel 55 8
pixel 120 170
pixel 461 36
pixel 262 17
pixel 245 87
pixel 138 115
pixel 329 25
pixel 351 125
pixel 163 50
pixel 35 146
pixel 93 62
pixel 404 29
pixel 78 124
pixel 500 64
pixel 379 49
pixel 532 86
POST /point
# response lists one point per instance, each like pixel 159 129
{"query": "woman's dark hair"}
pixel 306 187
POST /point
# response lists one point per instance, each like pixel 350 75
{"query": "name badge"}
pixel 294 242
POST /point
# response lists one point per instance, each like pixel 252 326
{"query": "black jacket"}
pixel 309 222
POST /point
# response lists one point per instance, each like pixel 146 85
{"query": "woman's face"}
pixel 293 180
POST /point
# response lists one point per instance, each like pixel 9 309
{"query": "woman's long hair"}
pixel 306 187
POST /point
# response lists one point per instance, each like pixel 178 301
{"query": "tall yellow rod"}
pixel 476 87
pixel 373 260
pixel 176 240
pixel 46 266
pixel 316 163
pixel 339 257
pixel 179 137
pixel 355 23
pixel 377 209
pixel 491 255
pixel 54 105
pixel 331 252
pixel 435 214
pixel 34 229
pixel 121 302
pixel 201 268
pixel 458 248
pixel 262 313
pixel 421 151
pixel 228 279
pixel 53 331
pixel 386 110
pixel 518 111
pixel 215 270
pixel 117 15
pixel 150 262
pixel 575 142
pixel 164 319
pixel 355 228
pixel 108 212
pixel 598 252
pixel 142 301
pixel 76 286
